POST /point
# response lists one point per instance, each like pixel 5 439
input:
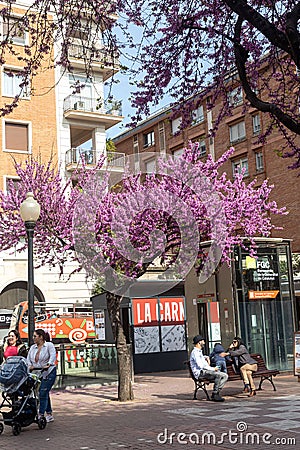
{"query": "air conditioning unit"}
pixel 79 105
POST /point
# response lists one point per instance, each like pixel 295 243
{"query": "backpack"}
pixel 13 370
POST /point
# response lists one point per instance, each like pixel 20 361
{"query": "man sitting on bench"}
pixel 201 369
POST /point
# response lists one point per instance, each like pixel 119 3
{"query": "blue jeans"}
pixel 219 378
pixel 222 365
pixel 45 388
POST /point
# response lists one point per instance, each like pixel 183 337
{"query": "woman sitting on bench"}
pixel 247 365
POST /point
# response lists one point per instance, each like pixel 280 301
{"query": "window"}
pixel 136 147
pixel 259 161
pixel 256 124
pixel 176 125
pixel 237 132
pixel 14 30
pixel 162 137
pixel 11 181
pixel 17 137
pixel 150 165
pixel 235 97
pixel 240 164
pixel 149 139
pixel 178 152
pixel 202 147
pixel 12 79
pixel 197 115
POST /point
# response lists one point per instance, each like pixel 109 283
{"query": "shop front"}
pixel 255 300
pixel 265 297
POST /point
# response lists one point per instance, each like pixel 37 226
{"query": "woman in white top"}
pixel 42 355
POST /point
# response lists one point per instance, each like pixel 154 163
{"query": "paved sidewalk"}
pixel 163 415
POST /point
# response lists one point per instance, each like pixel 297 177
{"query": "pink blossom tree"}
pixel 188 49
pixel 116 233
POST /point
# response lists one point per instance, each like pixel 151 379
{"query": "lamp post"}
pixel 30 212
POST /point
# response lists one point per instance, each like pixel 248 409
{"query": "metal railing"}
pixel 90 157
pixel 87 104
pixel 94 55
pixel 86 364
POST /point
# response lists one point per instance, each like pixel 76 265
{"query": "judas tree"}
pixel 185 48
pixel 115 229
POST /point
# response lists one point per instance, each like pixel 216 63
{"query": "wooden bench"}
pixel 262 372
pixel 200 383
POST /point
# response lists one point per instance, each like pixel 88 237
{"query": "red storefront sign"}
pixel 149 311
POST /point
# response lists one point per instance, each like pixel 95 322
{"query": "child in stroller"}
pixel 20 395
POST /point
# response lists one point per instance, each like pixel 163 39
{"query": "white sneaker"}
pixel 49 418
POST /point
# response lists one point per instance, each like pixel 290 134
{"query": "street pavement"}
pixel 164 415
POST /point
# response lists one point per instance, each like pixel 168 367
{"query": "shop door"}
pixel 203 324
pixel 268 333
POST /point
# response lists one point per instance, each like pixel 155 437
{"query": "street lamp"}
pixel 30 212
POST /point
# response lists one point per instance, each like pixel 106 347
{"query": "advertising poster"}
pixel 159 324
pixel 100 324
pixel 297 353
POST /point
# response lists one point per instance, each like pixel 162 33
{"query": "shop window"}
pixel 12 79
pixel 17 137
pixel 240 165
pixel 237 132
pixel 149 139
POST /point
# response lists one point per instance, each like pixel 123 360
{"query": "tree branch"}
pixel 272 33
pixel 241 57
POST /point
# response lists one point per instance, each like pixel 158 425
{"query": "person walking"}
pixel 201 368
pixel 247 364
pixel 14 345
pixel 42 355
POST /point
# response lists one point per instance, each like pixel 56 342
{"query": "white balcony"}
pixel 86 109
pixel 75 157
pixel 98 59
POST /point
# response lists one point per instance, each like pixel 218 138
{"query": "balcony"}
pixel 99 59
pixel 76 156
pixel 87 109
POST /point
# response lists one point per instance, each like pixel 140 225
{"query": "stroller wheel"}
pixel 16 429
pixel 42 423
pixel 1 427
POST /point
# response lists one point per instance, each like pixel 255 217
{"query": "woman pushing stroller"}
pixel 42 355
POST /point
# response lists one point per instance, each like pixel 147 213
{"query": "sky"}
pixel 122 90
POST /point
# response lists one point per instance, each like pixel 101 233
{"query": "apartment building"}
pixel 225 305
pixel 160 133
pixel 52 120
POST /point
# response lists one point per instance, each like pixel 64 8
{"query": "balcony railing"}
pixel 94 55
pixel 77 156
pixel 87 104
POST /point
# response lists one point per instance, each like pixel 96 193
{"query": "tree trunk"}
pixel 125 372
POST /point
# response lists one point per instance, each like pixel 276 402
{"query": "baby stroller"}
pixel 20 395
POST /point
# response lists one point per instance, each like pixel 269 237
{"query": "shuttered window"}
pixel 16 136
